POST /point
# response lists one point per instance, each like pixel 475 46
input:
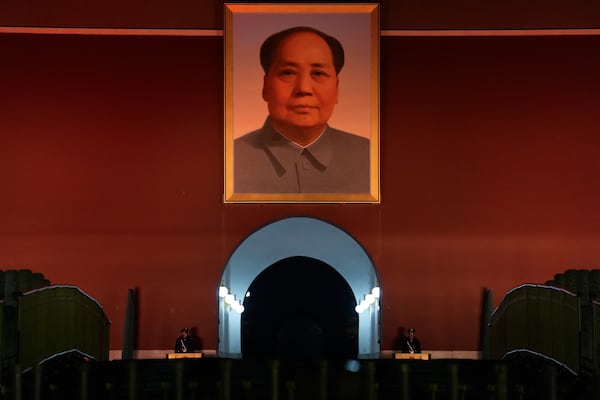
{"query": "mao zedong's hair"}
pixel 270 45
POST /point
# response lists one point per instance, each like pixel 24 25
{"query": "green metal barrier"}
pixel 539 319
pixel 56 319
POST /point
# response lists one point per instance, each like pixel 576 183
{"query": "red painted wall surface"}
pixel 111 168
pixel 395 14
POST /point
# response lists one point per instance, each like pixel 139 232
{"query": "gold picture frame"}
pixel 348 178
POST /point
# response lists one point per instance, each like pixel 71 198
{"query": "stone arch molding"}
pixel 298 236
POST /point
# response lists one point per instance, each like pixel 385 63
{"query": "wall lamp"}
pixel 230 299
pixel 369 300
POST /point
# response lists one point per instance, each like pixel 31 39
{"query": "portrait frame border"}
pixel 371 10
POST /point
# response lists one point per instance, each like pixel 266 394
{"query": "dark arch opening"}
pixel 299 308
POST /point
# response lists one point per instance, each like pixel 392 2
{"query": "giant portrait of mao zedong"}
pixel 298 152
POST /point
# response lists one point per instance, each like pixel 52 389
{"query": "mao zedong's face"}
pixel 301 87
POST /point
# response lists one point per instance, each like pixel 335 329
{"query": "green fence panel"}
pixel 55 319
pixel 545 323
pixel 596 346
pixel 516 314
pixel 594 284
pixel 557 318
pixel 541 319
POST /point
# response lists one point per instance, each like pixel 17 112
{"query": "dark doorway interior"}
pixel 299 308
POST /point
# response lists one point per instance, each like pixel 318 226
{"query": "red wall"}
pixel 111 174
pixel 395 14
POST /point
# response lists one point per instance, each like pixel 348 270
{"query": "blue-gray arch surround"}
pixel 299 236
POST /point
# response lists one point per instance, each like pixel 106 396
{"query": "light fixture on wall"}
pixel 229 299
pixel 223 291
pixel 370 300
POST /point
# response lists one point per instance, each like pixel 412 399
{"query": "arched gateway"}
pixel 302 237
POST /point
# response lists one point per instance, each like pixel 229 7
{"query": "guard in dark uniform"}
pixel 411 343
pixel 185 343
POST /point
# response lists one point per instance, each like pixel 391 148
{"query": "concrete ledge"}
pixel 184 355
pixel 155 354
pixel 412 356
pixel 435 354
pixel 455 354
